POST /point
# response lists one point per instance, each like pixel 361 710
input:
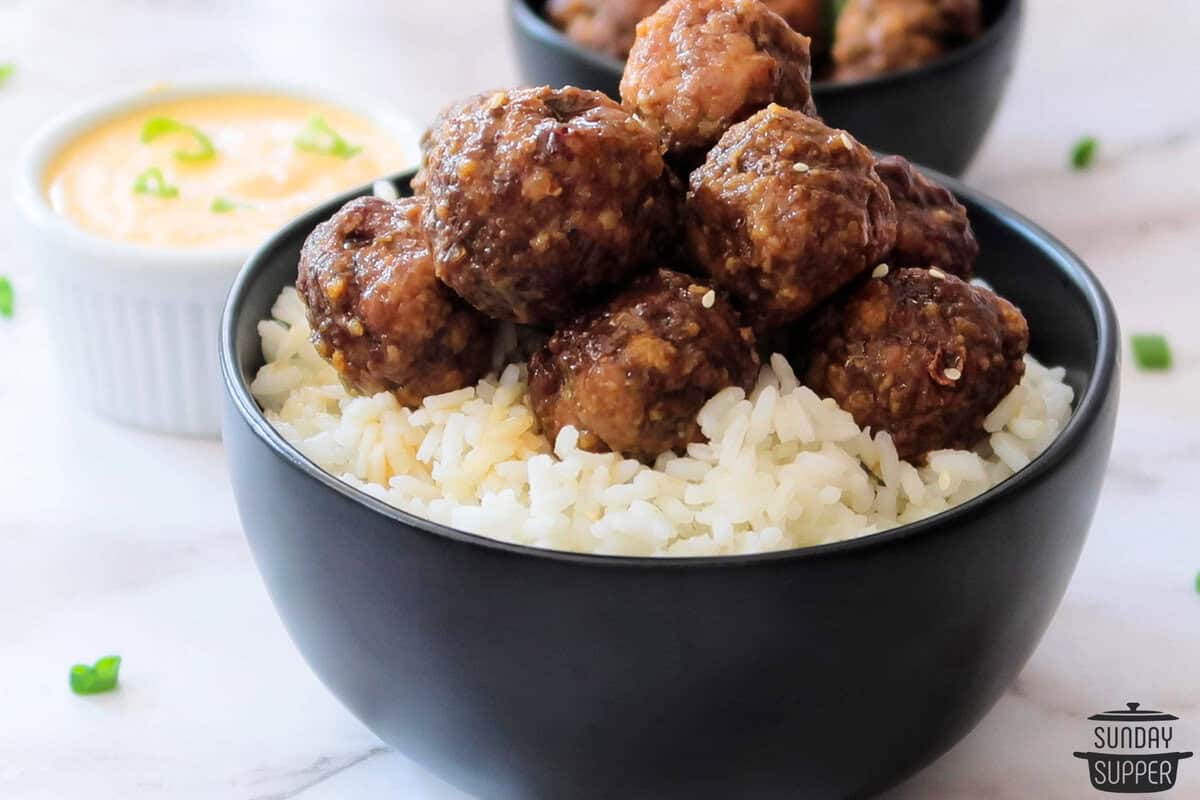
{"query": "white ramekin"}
pixel 136 326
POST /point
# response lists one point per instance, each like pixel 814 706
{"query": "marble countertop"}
pixel 113 540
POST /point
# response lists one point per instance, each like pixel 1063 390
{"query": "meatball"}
pixel 874 37
pixel 609 25
pixel 785 212
pixel 604 25
pixel 699 66
pixel 377 311
pixel 805 16
pixel 934 230
pixel 537 197
pixel 632 374
pixel 919 354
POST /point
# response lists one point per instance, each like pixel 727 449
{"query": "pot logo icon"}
pixel 1132 751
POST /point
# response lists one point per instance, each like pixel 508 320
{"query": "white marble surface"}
pixel 114 540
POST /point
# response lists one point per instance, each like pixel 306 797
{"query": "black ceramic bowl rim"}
pixel 1084 415
pixel 541 28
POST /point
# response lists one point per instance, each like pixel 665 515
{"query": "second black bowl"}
pixel 936 115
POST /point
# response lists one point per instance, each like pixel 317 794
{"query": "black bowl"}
pixel 828 672
pixel 937 114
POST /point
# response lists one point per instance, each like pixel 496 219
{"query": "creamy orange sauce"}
pixel 257 170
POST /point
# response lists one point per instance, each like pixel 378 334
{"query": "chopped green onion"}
pixel 152 182
pixel 6 72
pixel 223 205
pixel 318 137
pixel 833 12
pixel 6 297
pixel 158 127
pixel 1084 153
pixel 100 677
pixel 1198 583
pixel 1151 351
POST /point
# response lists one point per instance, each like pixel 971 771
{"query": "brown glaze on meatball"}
pixel 604 25
pixel 785 212
pixel 934 230
pixel 807 17
pixel 377 311
pixel 609 25
pixel 699 66
pixel 919 354
pixel 632 374
pixel 537 197
pixel 874 37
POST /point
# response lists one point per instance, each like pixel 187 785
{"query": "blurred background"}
pixel 117 540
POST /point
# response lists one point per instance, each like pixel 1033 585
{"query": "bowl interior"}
pixel 993 10
pixel 1071 320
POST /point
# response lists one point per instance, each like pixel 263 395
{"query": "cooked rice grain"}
pixel 778 470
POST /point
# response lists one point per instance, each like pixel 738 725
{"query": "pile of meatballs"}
pixel 666 244
pixel 851 39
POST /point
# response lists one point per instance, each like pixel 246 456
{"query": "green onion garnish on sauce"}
pixel 1084 153
pixel 6 297
pixel 157 127
pixel 1151 351
pixel 153 183
pixel 6 72
pixel 223 205
pixel 318 137
pixel 98 678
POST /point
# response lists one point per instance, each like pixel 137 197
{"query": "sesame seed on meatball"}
pixel 377 311
pixel 919 354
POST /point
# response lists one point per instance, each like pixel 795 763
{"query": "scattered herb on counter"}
pixel 1151 351
pixel 152 182
pixel 6 297
pixel 318 137
pixel 6 72
pixel 158 127
pixel 98 678
pixel 1084 153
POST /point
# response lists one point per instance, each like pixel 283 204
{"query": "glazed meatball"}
pixel 874 37
pixel 699 66
pixel 632 374
pixel 785 212
pixel 377 311
pixel 609 25
pixel 933 227
pixel 538 197
pixel 604 25
pixel 920 354
pixel 804 16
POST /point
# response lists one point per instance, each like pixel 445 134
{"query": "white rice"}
pixel 779 469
